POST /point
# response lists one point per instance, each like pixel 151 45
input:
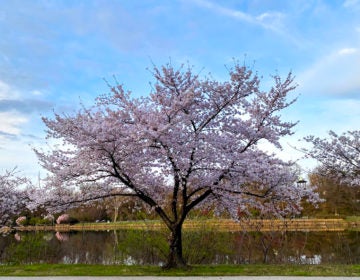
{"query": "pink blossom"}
pixel 49 217
pixel 63 219
pixel 338 155
pixel 20 221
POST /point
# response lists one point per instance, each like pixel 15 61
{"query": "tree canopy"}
pixel 192 142
pixel 339 156
pixel 13 197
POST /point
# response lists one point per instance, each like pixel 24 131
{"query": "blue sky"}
pixel 54 54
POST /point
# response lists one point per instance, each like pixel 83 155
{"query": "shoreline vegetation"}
pixel 262 225
pixel 197 270
pixel 302 224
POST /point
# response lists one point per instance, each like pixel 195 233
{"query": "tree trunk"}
pixel 116 211
pixel 175 257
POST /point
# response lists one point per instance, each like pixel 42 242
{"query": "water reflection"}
pixel 62 236
pixel 200 247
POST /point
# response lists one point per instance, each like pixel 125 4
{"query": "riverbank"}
pixel 201 270
pixel 262 225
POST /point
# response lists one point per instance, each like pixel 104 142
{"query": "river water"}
pixel 200 247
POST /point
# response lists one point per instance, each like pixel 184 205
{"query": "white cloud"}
pixel 344 112
pixel 6 92
pixel 335 74
pixel 10 122
pixel 12 100
pixel 15 140
pixel 19 154
pixel 273 21
pixel 351 3
pixel 225 11
pixel 36 92
pixel 347 51
pixel 268 20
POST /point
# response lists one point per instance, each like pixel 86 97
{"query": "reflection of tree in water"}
pixel 206 246
pixel 258 247
pixel 17 236
pixel 141 247
pixel 62 236
pixel 28 247
pixel 292 247
pixel 87 247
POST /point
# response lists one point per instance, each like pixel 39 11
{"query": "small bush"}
pixel 33 221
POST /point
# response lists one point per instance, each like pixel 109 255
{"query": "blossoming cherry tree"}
pixel 192 142
pixel 338 155
pixel 13 197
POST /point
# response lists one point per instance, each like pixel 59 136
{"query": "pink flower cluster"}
pixel 63 219
pixel 20 221
pixel 49 217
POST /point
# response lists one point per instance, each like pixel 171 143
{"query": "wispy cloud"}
pixel 18 111
pixel 335 74
pixel 272 20
pixel 25 106
pixel 351 4
pixel 225 11
pixel 10 123
pixel 6 91
pixel 12 99
pixel 268 20
pixel 7 135
pixel 347 51
pixel 349 108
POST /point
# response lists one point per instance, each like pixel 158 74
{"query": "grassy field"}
pixel 218 270
pixel 221 225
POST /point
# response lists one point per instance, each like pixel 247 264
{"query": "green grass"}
pixel 353 218
pixel 198 270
